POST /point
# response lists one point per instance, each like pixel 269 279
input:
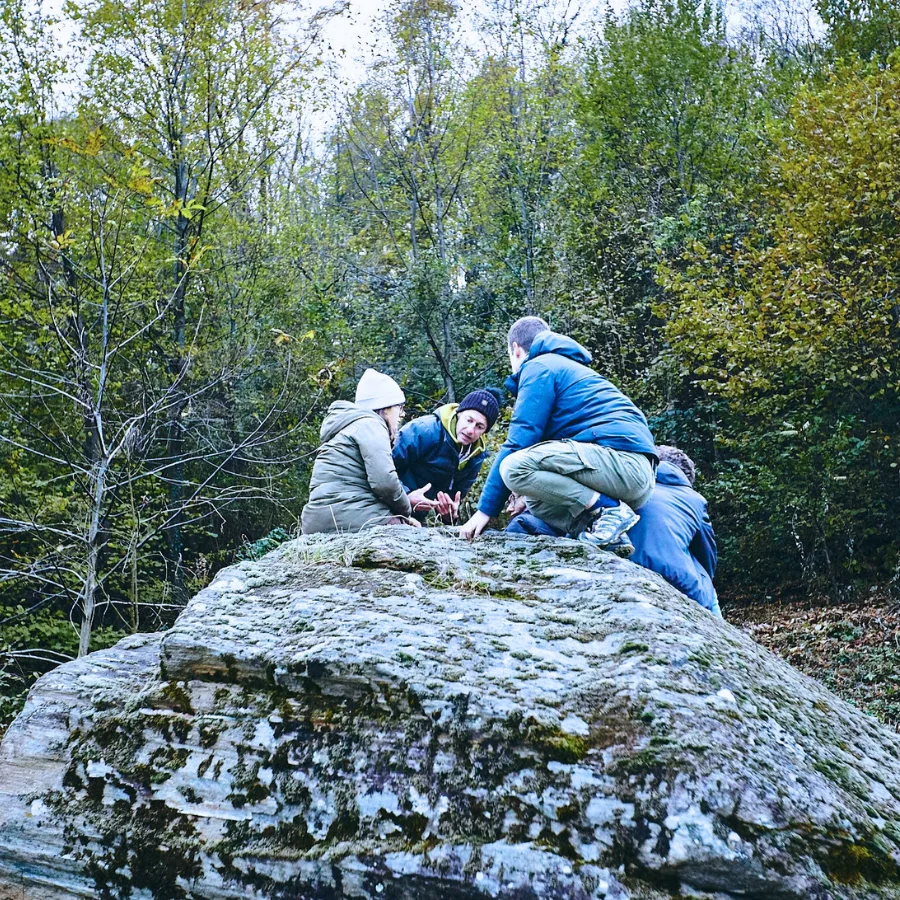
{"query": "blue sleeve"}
pixel 703 546
pixel 407 452
pixel 537 395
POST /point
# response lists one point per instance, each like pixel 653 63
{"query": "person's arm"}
pixel 375 447
pixel 703 545
pixel 531 415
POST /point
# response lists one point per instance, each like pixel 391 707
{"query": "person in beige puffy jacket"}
pixel 354 483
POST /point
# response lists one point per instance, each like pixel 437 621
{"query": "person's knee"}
pixel 515 471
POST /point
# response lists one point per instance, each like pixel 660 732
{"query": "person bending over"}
pixel 675 536
pixel 443 452
pixel 579 452
pixel 354 483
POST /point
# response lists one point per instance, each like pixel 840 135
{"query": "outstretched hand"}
pixel 474 526
pixel 419 502
pixel 448 507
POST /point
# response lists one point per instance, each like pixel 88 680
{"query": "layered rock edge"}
pixel 402 714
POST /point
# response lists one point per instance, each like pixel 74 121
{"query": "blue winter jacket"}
pixel 559 398
pixel 426 451
pixel 675 537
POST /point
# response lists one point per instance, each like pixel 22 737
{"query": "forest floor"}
pixel 854 648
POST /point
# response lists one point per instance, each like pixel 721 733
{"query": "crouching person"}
pixel 442 453
pixel 579 452
pixel 674 536
pixel 354 483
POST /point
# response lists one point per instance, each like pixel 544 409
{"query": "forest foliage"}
pixel 204 241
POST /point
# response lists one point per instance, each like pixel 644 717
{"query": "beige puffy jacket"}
pixel 354 484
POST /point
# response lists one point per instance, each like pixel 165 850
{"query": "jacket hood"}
pixel 551 342
pixel 342 413
pixel 668 473
pixel 447 415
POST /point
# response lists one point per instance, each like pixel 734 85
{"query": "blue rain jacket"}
pixel 559 398
pixel 427 451
pixel 675 536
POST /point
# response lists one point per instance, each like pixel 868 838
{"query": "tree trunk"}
pixel 89 591
pixel 175 439
pixel 175 442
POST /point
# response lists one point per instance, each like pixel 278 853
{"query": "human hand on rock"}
pixel 474 526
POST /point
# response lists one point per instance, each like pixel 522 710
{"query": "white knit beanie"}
pixel 377 391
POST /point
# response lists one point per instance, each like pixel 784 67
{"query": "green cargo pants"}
pixel 559 478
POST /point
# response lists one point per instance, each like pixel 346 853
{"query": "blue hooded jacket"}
pixel 675 536
pixel 559 398
pixel 426 451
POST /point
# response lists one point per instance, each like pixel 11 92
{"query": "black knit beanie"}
pixel 485 401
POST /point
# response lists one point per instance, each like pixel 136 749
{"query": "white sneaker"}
pixel 621 546
pixel 611 524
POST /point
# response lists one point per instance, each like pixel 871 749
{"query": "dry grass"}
pixel 852 648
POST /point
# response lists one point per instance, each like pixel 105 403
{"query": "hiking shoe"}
pixel 609 525
pixel 621 546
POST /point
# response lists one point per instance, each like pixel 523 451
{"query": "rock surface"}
pixel 402 715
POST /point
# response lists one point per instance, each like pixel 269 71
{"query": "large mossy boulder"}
pixel 400 714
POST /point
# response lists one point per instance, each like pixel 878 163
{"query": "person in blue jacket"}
pixel 443 452
pixel 674 536
pixel 579 451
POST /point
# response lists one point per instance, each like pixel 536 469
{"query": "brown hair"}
pixel 678 458
pixel 525 330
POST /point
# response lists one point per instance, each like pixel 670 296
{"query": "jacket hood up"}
pixel 669 473
pixel 342 413
pixel 447 415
